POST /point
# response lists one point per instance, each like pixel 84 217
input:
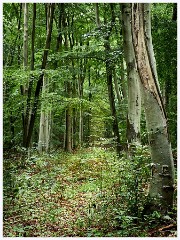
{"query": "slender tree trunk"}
pixel 33 36
pixel 45 122
pixel 162 180
pixel 97 14
pixel 116 85
pixel 25 66
pixel 134 96
pixel 28 105
pixel 40 80
pixel 68 90
pixel 25 41
pixel 111 99
pixel 81 79
pixel 80 83
pixel 19 27
pixel 89 112
pixel 45 118
pixel 68 136
pixel 74 110
pixel 109 73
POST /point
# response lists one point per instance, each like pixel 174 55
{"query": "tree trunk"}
pixel 28 105
pixel 134 96
pixel 45 122
pixel 109 78
pixel 68 114
pixel 97 15
pixel 40 81
pixel 19 28
pixel 25 41
pixel 68 91
pixel 45 118
pixel 89 112
pixel 117 87
pixel 162 181
pixel 25 66
pixel 33 36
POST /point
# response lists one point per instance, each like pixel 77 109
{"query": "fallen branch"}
pixel 167 227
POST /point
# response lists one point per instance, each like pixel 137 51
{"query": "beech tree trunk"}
pixel 134 95
pixel 162 180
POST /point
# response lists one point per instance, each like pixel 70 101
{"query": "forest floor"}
pixel 88 193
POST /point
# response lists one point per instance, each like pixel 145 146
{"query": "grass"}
pixel 89 193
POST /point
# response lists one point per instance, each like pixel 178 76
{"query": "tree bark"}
pixel 97 15
pixel 40 81
pixel 116 86
pixel 45 118
pixel 25 66
pixel 89 112
pixel 134 96
pixel 45 122
pixel 25 40
pixel 109 78
pixel 68 90
pixel 162 180
pixel 33 36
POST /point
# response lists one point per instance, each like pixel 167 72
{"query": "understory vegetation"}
pixel 88 193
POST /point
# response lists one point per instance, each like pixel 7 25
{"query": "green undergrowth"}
pixel 88 193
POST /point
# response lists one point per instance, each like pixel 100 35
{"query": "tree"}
pixel 109 70
pixel 134 96
pixel 45 118
pixel 40 80
pixel 162 180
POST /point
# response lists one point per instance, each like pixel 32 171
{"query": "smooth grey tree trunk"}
pixel 134 95
pixel 45 121
pixel 162 179
pixel 116 86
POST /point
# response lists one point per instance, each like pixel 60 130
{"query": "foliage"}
pixel 165 28
pixel 88 193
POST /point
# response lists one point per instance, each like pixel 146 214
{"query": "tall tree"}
pixel 45 118
pixel 162 180
pixel 40 80
pixel 25 67
pixel 134 96
pixel 109 71
pixel 68 87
